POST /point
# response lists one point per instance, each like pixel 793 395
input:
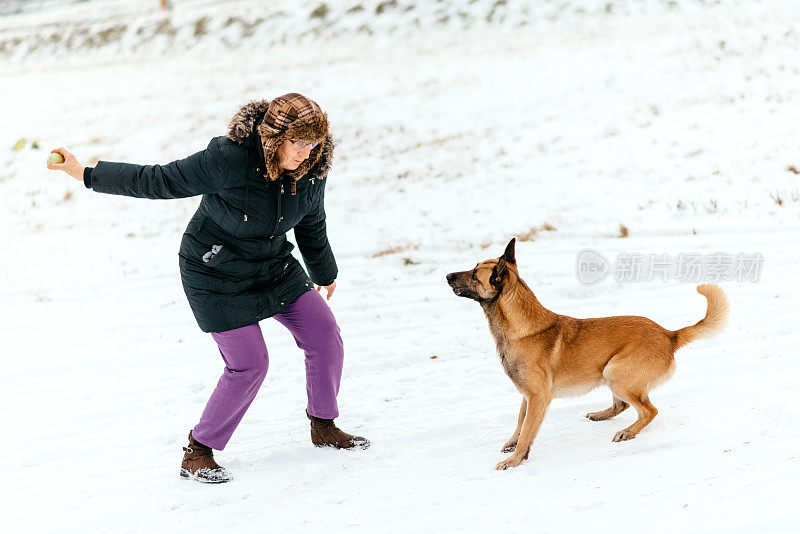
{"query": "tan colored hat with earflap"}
pixel 292 116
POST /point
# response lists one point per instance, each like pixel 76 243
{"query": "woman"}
pixel 265 177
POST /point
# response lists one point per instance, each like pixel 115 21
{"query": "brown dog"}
pixel 548 355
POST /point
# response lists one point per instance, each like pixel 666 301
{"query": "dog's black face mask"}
pixel 485 282
pixel 466 284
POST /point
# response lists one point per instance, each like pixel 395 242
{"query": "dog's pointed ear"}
pixel 508 255
pixel 499 272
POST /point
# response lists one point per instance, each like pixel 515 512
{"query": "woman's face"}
pixel 290 155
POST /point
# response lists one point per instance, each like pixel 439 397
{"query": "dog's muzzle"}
pixel 452 280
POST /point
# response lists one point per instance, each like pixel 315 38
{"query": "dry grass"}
pixel 387 251
pixel 531 233
pixel 201 26
pixel 623 230
pixel 394 250
pixel 320 12
pixel 383 6
pixel 528 235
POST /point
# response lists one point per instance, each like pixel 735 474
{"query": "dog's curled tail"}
pixel 712 323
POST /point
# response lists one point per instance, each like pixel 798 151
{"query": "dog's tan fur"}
pixel 548 355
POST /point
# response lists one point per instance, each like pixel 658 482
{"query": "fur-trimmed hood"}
pixel 248 128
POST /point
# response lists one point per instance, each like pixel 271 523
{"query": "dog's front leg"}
pixel 511 444
pixel 537 404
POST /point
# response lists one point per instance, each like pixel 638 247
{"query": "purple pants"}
pixel 314 328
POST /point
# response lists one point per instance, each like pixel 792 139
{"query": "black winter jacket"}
pixel 235 261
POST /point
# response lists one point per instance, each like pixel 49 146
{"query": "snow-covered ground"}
pixel 678 122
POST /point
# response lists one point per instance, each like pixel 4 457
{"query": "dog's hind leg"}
pixel 511 444
pixel 617 407
pixel 632 376
pixel 647 412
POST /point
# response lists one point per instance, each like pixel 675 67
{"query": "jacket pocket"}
pixel 208 254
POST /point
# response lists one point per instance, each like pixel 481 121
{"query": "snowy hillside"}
pixel 556 122
pixel 115 29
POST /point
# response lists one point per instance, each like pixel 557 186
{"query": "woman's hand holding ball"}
pixel 61 159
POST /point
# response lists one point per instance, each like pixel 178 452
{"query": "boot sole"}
pixel 360 447
pixel 188 475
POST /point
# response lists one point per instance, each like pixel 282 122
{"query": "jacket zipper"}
pixel 279 215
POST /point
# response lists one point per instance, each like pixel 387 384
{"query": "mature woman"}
pixel 264 178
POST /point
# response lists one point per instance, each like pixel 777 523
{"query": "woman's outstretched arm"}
pixel 203 172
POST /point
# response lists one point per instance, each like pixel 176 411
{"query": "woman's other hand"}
pixel 70 165
pixel 330 289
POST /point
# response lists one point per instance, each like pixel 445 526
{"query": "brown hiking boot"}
pixel 324 433
pixel 198 463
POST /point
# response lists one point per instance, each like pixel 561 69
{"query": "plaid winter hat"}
pixel 292 116
pixel 286 109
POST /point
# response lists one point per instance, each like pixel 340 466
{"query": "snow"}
pixel 677 120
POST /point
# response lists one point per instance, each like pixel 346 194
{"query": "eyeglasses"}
pixel 299 145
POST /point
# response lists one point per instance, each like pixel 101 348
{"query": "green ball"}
pixel 55 157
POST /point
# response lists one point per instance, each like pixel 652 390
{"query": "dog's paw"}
pixel 623 435
pixel 512 461
pixel 596 416
pixel 510 446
